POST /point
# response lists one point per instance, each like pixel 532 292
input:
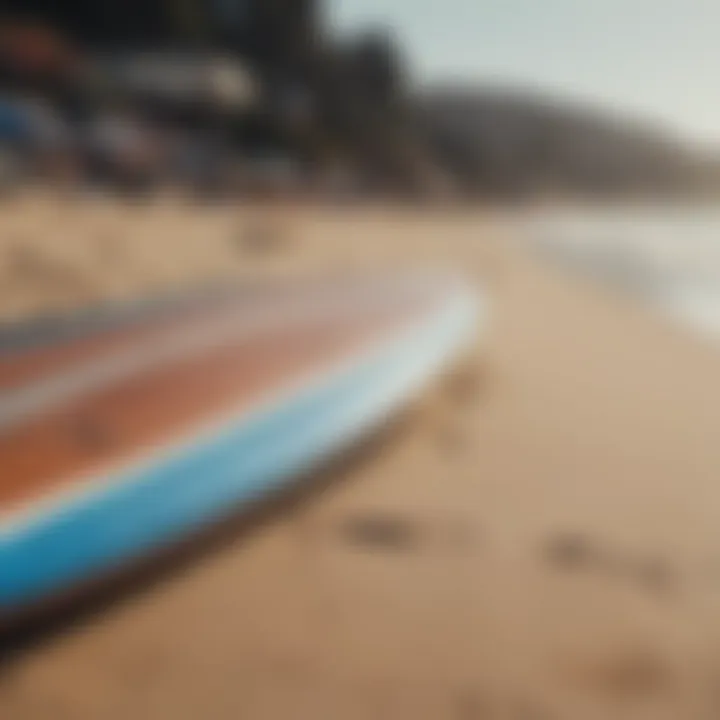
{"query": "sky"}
pixel 651 59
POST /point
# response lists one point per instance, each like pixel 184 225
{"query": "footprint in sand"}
pixel 261 239
pixel 574 551
pixel 383 532
pixel 391 533
pixel 655 575
pixel 627 675
pixel 464 387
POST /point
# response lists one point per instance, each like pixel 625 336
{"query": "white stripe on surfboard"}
pixel 229 328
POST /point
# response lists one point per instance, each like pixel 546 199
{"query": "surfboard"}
pixel 125 430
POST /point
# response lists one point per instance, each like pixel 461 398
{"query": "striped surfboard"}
pixel 126 430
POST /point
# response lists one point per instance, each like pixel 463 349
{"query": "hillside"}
pixel 513 141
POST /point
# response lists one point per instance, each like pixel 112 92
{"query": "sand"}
pixel 537 539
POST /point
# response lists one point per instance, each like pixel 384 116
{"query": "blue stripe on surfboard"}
pixel 203 482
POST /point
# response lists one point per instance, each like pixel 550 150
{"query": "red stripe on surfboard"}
pixel 122 421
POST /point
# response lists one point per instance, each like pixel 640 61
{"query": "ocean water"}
pixel 667 258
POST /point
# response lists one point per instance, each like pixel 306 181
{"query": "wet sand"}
pixel 539 540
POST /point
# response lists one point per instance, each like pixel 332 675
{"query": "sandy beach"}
pixel 536 540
